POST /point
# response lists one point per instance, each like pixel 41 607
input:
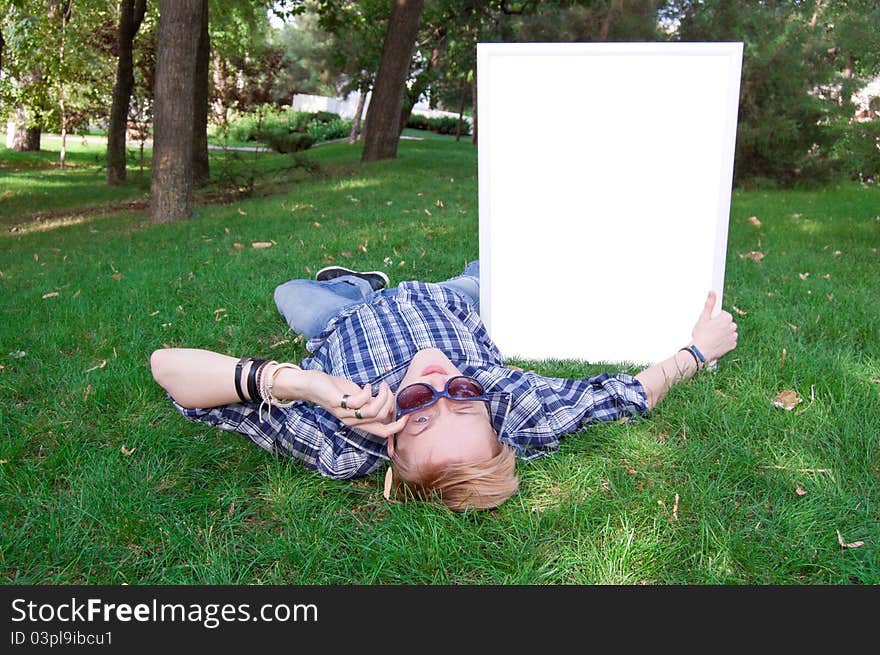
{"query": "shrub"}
pixel 336 128
pixel 859 150
pixel 417 122
pixel 439 124
pixel 284 141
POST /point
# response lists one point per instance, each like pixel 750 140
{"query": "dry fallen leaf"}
pixel 219 313
pixel 362 247
pixel 238 245
pixel 800 492
pixel 386 491
pixel 787 400
pixel 117 276
pixel 101 365
pixel 428 213
pixel 782 358
pixel 51 294
pixel 803 276
pixel 675 508
pixel 127 451
pixel 242 212
pixel 738 310
pixel 753 255
pixel 261 244
pixel 854 544
pixel 754 221
pixel 794 328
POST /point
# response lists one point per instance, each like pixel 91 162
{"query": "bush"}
pixel 417 122
pixel 859 150
pixel 286 130
pixel 439 124
pixel 336 128
pixel 284 141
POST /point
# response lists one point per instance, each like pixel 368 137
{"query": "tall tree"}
pixel 201 101
pixel 383 114
pixel 171 185
pixel 131 15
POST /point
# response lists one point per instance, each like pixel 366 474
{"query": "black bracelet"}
pixel 692 354
pixel 241 362
pixel 253 392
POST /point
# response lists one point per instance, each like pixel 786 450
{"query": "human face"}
pixel 446 432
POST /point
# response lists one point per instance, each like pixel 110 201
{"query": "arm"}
pixel 714 337
pixel 201 378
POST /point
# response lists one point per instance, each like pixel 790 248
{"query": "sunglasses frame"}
pixel 437 395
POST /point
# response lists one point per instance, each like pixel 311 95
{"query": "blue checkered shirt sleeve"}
pixel 301 432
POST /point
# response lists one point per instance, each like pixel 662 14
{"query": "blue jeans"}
pixel 307 305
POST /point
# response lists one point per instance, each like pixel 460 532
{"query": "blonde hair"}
pixel 471 485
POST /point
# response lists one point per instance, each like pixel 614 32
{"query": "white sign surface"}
pixel 605 173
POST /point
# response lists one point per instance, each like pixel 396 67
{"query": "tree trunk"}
pixel 131 14
pixel 177 39
pixel 221 91
pixel 474 102
pixel 461 109
pixel 26 135
pixel 363 89
pixel 383 115
pixel 1 50
pixel 62 112
pixel 201 88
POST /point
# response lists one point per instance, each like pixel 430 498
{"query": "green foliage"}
pixel 858 150
pixel 287 130
pixel 335 128
pixel 438 124
pixel 801 64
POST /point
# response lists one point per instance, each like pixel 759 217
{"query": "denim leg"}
pixel 467 283
pixel 307 305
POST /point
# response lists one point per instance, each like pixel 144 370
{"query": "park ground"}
pixel 102 482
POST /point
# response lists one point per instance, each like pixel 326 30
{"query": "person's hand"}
pixel 715 337
pixel 373 414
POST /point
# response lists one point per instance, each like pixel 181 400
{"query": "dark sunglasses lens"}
pixel 414 396
pixel 464 388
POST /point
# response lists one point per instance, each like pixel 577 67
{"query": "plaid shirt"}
pixel 375 341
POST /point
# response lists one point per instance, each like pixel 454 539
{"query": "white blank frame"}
pixel 605 174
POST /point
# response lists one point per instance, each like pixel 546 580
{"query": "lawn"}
pixel 102 482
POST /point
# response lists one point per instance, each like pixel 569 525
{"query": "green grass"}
pixel 195 505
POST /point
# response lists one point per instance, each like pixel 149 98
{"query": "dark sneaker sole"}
pixel 377 279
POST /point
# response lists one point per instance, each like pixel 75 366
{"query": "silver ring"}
pixel 344 401
pixel 357 413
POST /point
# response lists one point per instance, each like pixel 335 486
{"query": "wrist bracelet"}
pixel 238 366
pixel 253 392
pixel 692 354
pixel 697 352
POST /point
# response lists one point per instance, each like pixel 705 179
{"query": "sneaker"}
pixel 377 279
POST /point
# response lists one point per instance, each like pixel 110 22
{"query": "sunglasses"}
pixel 419 395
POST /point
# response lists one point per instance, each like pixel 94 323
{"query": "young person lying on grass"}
pixel 409 374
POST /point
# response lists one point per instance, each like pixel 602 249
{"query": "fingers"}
pixel 709 306
pixel 366 407
pixel 377 428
